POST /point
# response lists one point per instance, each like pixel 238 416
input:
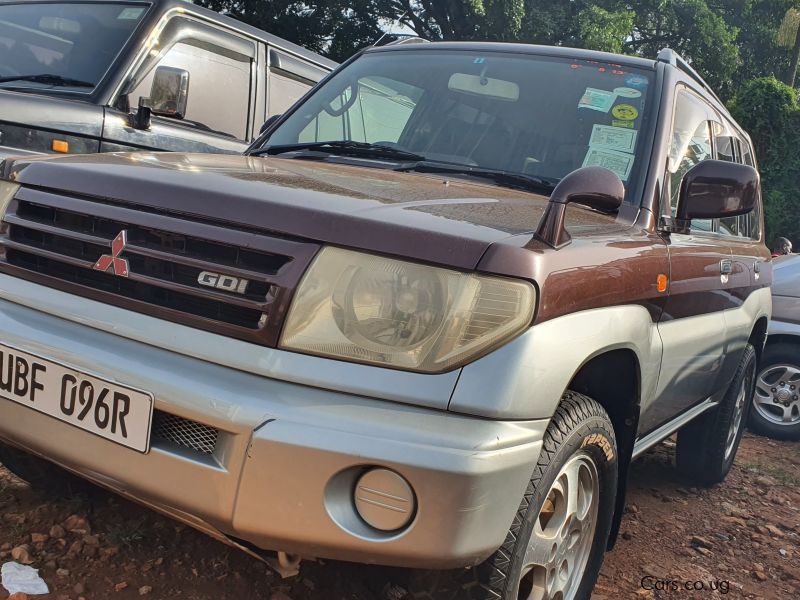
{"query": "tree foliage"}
pixel 768 109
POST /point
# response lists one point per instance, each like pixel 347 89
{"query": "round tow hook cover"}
pixel 384 499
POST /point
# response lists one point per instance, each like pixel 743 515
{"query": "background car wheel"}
pixel 557 541
pixel 776 401
pixel 42 475
pixel 707 446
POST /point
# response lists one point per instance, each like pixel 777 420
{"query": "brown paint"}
pixel 290 207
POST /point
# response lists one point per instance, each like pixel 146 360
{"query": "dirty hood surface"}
pixel 434 218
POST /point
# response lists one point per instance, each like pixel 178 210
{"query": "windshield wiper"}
pixel 343 147
pixel 49 79
pixel 500 177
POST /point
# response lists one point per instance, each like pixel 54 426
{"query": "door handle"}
pixel 726 266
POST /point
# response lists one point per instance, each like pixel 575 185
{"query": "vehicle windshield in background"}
pixel 69 45
pixel 537 116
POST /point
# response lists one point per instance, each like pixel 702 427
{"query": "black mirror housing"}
pixel 595 187
pixel 715 189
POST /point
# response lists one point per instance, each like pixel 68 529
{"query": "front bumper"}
pixel 271 478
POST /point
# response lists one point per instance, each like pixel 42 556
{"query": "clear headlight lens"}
pixel 403 315
pixel 7 192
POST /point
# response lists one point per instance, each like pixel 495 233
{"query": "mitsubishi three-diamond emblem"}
pixel 109 262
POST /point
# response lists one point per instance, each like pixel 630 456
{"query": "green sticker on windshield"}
pixel 129 14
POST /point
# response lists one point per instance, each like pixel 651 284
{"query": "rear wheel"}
pixel 707 446
pixel 556 543
pixel 776 401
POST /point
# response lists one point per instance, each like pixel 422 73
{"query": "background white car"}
pixel 776 402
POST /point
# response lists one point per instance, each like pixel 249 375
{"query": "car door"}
pixel 692 326
pixel 221 91
pixel 750 259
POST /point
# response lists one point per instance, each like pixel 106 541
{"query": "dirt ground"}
pixel 740 539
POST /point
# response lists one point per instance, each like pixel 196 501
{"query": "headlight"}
pixel 7 192
pixel 403 315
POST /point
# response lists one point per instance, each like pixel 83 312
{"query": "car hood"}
pixel 437 219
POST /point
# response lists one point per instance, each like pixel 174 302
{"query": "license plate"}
pixel 112 411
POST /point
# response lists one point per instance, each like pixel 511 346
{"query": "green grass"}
pixel 780 475
pixel 128 533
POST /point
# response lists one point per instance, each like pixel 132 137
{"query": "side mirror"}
pixel 268 123
pixel 595 187
pixel 170 92
pixel 714 189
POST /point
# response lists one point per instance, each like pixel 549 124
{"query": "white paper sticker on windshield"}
pixel 128 14
pixel 616 162
pixel 595 99
pixel 626 92
pixel 614 138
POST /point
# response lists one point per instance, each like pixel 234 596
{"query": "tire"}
pixel 777 414
pixel 707 446
pixel 42 475
pixel 579 446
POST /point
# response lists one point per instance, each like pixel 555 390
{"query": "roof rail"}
pixel 669 56
pixel 400 38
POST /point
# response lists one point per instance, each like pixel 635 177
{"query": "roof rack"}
pixel 669 56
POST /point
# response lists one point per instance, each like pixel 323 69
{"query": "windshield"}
pixel 517 113
pixel 64 45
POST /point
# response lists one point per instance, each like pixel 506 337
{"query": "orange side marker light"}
pixel 661 282
pixel 60 146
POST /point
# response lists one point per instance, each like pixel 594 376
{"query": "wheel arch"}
pixel 620 396
pixel 758 337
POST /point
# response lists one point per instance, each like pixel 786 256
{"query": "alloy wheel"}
pixel 777 395
pixel 738 413
pixel 562 536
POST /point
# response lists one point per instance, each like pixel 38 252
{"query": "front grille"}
pixel 57 240
pixel 184 432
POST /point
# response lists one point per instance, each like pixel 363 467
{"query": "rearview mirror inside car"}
pixel 714 189
pixel 170 92
pixel 484 86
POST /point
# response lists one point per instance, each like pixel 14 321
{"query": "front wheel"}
pixel 556 543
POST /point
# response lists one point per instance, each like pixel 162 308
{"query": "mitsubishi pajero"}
pixel 426 321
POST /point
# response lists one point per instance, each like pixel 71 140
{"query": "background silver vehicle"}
pixel 74 72
pixel 776 403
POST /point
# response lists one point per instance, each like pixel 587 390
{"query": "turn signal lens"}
pixel 7 191
pixel 403 315
pixel 60 146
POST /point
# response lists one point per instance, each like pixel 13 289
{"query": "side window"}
pixel 727 149
pixel 690 144
pixel 289 78
pixel 219 66
pixel 284 91
pixel 374 110
pixel 754 218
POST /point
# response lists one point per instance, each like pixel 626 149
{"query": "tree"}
pixel 789 36
pixel 335 28
pixel 768 109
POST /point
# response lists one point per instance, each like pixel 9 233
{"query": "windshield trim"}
pixel 67 91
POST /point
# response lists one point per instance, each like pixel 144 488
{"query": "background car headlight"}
pixel 404 315
pixel 7 192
